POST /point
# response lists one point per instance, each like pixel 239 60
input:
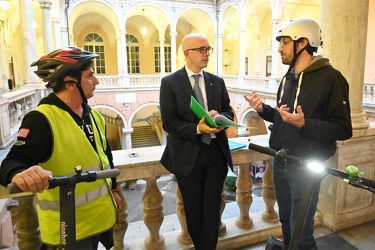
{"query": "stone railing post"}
pixel 222 226
pixel 121 226
pixel 268 193
pixel 27 224
pixel 153 214
pixel 244 197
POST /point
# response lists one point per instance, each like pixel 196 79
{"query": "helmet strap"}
pixel 296 55
pixel 79 86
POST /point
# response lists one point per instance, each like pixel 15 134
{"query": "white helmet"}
pixel 301 27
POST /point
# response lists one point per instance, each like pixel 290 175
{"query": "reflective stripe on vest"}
pixel 80 200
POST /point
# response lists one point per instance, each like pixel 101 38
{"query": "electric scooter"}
pixel 67 186
pixel 351 175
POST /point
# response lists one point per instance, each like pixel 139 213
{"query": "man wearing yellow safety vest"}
pixel 61 133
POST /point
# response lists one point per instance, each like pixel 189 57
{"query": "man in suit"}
pixel 200 167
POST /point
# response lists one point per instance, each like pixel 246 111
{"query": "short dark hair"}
pixel 309 48
pixel 60 84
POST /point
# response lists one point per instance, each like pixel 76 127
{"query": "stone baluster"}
pixel 121 226
pixel 268 193
pixel 183 237
pixel 222 226
pixel 27 224
pixel 153 214
pixel 244 197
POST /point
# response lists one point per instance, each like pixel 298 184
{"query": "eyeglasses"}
pixel 203 50
pixel 283 42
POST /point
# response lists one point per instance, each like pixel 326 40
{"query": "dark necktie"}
pixel 206 138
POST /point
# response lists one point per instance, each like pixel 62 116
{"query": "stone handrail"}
pixel 143 163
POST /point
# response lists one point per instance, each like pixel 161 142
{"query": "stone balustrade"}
pixel 234 232
pixel 29 96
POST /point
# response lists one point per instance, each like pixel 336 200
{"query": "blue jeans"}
pixel 290 187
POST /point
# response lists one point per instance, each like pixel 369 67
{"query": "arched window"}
pixel 132 50
pixel 167 55
pixel 94 43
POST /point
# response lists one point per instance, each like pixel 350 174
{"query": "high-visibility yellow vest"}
pixel 95 207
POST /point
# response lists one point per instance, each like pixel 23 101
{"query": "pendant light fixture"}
pixel 143 29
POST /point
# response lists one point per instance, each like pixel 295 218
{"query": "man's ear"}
pixel 304 42
pixel 69 79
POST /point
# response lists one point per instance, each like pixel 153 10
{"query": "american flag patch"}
pixel 23 133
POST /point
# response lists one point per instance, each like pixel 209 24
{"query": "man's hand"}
pixel 255 102
pixel 34 179
pixel 205 129
pixel 297 119
pixel 117 199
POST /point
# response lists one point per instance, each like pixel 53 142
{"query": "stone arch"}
pixel 251 118
pixel 115 125
pixel 145 121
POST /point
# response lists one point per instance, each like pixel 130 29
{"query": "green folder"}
pixel 220 120
pixel 200 112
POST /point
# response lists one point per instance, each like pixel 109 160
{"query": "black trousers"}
pixel 202 194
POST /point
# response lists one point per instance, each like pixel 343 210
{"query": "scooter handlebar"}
pixel 263 150
pixel 107 173
pixel 63 180
pixel 368 183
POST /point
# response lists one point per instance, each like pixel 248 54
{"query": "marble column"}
pixel 220 52
pixel 344 28
pixel 57 32
pixel 28 42
pixel 256 57
pixel 276 62
pixel 45 5
pixel 64 36
pixel 122 59
pixel 277 14
pixel 242 34
pixel 162 54
pixel 174 51
pixel 3 72
pixel 128 138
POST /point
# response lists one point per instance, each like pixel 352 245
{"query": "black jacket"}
pixel 179 121
pixel 323 94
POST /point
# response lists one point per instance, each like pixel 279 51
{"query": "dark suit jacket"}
pixel 180 122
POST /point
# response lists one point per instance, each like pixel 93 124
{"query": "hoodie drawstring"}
pixel 297 91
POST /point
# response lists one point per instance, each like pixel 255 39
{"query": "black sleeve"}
pixel 33 145
pixel 108 152
pixel 268 113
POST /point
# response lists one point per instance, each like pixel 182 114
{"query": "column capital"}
pixel 45 4
pixel 127 130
